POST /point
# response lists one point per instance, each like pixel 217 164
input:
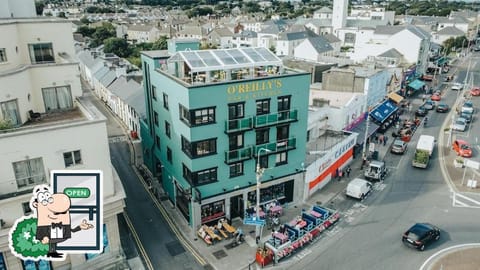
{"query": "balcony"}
pixel 278 146
pixel 276 118
pixel 237 125
pixel 238 155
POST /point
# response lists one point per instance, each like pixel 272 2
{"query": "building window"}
pixel 167 129
pixel 197 117
pixel 204 177
pixel 281 158
pixel 186 147
pixel 204 116
pixel 3 55
pixel 72 158
pixel 10 112
pixel 155 118
pixel 236 169
pixel 206 147
pixel 154 92
pixel 37 265
pixel 263 106
pixel 350 38
pixel 157 141
pixel 262 136
pixel 187 174
pixel 308 135
pixel 282 132
pixel 57 98
pixel 169 154
pixel 235 141
pixel 41 53
pixel 283 103
pixel 165 101
pixel 236 110
pixel 263 162
pixel 29 172
pixel 26 210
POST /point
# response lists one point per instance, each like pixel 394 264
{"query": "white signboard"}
pixel 371 147
pixel 472 164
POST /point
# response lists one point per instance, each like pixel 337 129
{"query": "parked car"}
pixel 460 124
pixel 421 111
pixel 427 77
pixel 436 97
pixel 467 107
pixel 462 148
pixel 398 146
pixel 358 188
pixel 475 91
pixel 448 78
pixel 457 86
pixel 467 116
pixel 429 105
pixel 442 107
pixel 420 235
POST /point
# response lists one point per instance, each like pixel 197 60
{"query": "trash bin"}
pixel 375 155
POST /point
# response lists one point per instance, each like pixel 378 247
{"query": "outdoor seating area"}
pixel 214 234
pixel 296 233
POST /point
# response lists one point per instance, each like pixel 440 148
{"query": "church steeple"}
pixel 339 15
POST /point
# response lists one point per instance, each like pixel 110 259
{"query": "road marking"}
pixel 456 201
pixel 137 240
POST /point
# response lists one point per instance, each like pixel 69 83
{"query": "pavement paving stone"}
pixel 460 259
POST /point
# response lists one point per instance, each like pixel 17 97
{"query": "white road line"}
pixel 468 198
pixel 428 261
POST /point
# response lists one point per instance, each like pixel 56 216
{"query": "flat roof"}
pixel 156 53
pixel 221 59
pixel 336 98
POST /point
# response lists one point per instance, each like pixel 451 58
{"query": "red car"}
pixel 475 91
pixel 436 97
pixel 462 148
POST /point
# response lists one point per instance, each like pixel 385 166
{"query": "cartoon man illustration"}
pixel 53 219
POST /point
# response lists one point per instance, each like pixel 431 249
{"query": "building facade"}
pixel 212 115
pixel 46 125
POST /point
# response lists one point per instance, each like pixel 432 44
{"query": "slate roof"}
pixel 222 32
pixel 130 92
pixel 108 78
pixel 451 31
pixel 457 19
pixel 392 53
pixel 315 22
pixel 85 57
pixel 246 34
pixel 271 29
pixel 393 29
pixel 320 44
pixel 331 38
pixel 296 33
pixel 365 23
pixel 140 27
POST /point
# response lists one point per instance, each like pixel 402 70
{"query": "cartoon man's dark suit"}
pixel 53 219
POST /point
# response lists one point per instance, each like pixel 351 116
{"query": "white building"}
pixel 46 125
pixel 339 15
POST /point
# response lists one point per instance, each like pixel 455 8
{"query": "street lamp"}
pixel 367 125
pixel 259 172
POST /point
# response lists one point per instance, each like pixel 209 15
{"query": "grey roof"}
pixel 296 33
pixel 85 57
pixel 108 78
pixel 101 72
pixel 331 38
pixel 323 10
pixel 456 19
pixel 315 22
pixel 246 34
pixel 222 32
pixel 365 23
pixel 271 29
pixel 320 44
pixel 392 53
pixel 393 29
pixel 451 31
pixel 130 92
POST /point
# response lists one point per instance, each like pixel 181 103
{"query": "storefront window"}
pixel 213 211
pixel 106 247
pixel 33 265
pixel 3 266
pixel 267 195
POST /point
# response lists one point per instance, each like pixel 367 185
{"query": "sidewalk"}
pixel 462 257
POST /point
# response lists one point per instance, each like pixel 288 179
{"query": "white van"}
pixel 358 188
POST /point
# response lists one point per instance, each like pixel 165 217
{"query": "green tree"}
pixel 85 31
pixel 62 15
pixel 85 20
pixel 102 33
pixel 160 44
pixel 118 46
pixel 39 6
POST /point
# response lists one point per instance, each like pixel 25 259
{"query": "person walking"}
pixel 348 170
pixel 385 139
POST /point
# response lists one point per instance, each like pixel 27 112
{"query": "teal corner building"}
pixel 211 116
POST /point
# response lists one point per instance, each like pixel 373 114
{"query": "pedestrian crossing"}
pixel 465 200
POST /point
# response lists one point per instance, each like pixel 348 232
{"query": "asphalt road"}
pixel 369 236
pixel 161 246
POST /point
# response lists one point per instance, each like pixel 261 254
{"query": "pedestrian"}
pixel 340 175
pixel 336 172
pixel 348 170
pixel 385 139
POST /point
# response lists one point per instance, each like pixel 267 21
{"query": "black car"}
pixel 421 111
pixel 420 235
pixel 442 107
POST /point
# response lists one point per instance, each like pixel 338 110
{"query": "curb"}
pixel 440 254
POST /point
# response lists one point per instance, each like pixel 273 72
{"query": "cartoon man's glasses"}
pixel 44 198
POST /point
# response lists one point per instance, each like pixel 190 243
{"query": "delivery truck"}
pixel 423 152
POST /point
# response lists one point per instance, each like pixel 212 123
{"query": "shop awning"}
pixel 441 61
pixel 395 97
pixel 417 84
pixel 360 129
pixel 383 111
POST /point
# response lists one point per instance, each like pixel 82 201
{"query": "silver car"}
pixel 398 147
pixel 429 105
pixel 457 86
pixel 460 124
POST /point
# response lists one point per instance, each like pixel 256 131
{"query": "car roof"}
pixel 461 141
pixel 421 227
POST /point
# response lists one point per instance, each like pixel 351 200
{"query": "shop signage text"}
pixel 254 90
